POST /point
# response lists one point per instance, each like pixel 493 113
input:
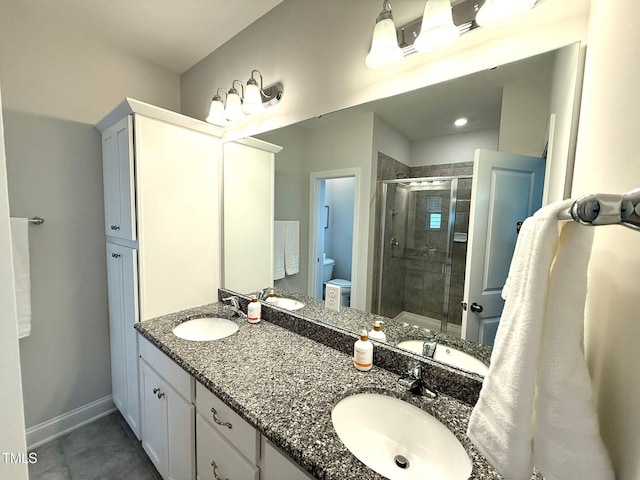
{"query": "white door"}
pixel 506 189
pixel 154 418
pixel 118 177
pixel 123 314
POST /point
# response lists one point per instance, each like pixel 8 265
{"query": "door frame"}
pixel 315 268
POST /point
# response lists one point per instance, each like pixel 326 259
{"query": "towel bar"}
pixel 606 209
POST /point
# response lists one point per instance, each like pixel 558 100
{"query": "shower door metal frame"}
pixel 453 201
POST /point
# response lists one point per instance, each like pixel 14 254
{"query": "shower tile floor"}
pixel 428 322
pixel 105 449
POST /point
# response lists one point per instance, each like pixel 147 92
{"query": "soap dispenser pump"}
pixel 376 333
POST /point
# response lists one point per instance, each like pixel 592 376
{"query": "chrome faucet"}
pixel 429 346
pixel 262 294
pixel 235 306
pixel 412 381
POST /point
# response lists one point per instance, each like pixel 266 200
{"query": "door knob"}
pixel 476 308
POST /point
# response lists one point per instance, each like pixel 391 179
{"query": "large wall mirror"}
pixel 388 205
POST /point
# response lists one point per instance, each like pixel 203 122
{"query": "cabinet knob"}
pixel 158 393
pixel 115 227
pixel 116 255
pixel 215 471
pixel 215 419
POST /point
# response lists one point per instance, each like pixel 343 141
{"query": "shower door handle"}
pixel 476 308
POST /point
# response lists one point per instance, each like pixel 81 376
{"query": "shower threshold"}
pixel 428 322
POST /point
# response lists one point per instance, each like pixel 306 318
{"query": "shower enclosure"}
pixel 422 250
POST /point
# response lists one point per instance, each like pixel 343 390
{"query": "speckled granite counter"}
pixel 285 385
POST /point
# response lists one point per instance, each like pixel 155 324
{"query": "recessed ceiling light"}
pixel 460 122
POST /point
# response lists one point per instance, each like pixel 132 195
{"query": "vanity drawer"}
pixel 241 435
pixel 180 380
pixel 212 447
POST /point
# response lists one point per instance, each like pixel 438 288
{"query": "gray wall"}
pixel 54 170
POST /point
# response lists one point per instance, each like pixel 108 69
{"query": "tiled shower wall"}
pixel 413 270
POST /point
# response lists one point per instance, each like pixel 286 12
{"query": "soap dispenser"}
pixel 363 352
pixel 271 298
pixel 376 333
pixel 254 310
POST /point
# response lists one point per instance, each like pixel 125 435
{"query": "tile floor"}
pixel 102 450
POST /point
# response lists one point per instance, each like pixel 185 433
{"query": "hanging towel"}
pixel 536 405
pixel 292 247
pixel 21 274
pixel 278 250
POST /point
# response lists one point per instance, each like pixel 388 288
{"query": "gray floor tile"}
pixel 49 456
pixel 105 431
pixel 56 472
pixel 106 449
pixel 103 462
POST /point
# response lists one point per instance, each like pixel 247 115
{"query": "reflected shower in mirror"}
pixel 408 257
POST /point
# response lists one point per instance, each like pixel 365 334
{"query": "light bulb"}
pixel 496 13
pixel 385 52
pixel 438 30
pixel 216 112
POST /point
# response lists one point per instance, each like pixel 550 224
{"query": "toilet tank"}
pixel 327 268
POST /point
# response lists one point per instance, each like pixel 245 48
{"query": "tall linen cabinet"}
pixel 162 190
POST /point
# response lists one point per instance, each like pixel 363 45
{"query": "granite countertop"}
pixel 397 331
pixel 285 385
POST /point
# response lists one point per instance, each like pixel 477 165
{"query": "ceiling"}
pixel 429 112
pixel 173 34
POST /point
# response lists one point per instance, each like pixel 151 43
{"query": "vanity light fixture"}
pixel 442 23
pixel 253 98
pixel 385 51
pixel 438 30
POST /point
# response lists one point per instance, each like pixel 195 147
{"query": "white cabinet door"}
pixel 168 432
pixel 277 466
pixel 123 314
pixel 180 431
pixel 118 177
pixel 154 417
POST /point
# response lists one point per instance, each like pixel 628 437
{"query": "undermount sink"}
pixel 289 303
pixel 205 328
pixel 398 440
pixel 450 356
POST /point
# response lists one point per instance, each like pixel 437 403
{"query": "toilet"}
pixel 345 285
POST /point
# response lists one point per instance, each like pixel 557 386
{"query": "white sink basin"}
pixel 205 328
pixel 383 431
pixel 450 356
pixel 289 303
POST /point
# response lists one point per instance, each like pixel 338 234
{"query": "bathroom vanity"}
pixel 277 389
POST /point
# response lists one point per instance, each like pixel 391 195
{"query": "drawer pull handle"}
pixel 115 227
pixel 115 255
pixel 215 419
pixel 215 471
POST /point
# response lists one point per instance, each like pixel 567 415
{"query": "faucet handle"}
pixel 414 369
pixel 233 301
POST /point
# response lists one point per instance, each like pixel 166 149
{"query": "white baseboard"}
pixel 69 421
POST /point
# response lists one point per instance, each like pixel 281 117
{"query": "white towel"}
pixel 536 405
pixel 21 273
pixel 278 250
pixel 292 247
